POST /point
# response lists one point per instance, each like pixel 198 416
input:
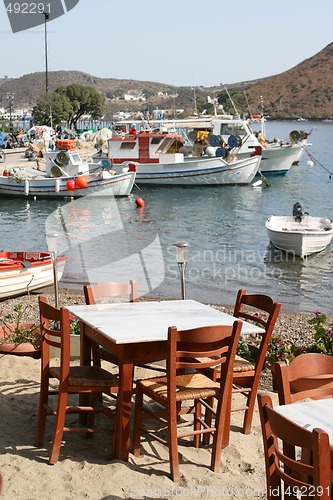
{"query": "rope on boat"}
pixel 263 178
pixel 317 162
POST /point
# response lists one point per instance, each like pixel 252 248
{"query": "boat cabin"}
pixel 65 163
pixel 144 147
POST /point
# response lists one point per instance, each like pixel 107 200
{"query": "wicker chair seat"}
pixel 189 386
pixel 86 376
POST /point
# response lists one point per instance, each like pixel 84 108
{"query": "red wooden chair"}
pixel 287 448
pixel 103 292
pixel 309 375
pixel 88 380
pixel 216 345
pixel 263 311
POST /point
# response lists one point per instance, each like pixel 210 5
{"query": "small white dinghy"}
pixel 299 234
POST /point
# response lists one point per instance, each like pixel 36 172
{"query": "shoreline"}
pixel 293 323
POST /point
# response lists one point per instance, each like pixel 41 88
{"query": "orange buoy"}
pixel 70 185
pixel 139 202
pixel 81 182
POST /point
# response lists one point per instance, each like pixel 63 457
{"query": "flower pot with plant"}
pixel 17 336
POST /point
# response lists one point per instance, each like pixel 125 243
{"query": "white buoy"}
pixel 310 163
pixel 57 186
pixel 257 184
pixel 26 187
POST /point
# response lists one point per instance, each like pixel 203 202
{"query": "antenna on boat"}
pixel 247 103
pixel 232 102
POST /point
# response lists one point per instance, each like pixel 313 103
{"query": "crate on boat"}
pixel 66 144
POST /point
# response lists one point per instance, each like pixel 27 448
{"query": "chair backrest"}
pixel 309 375
pixel 55 332
pixel 262 310
pixel 201 348
pixel 110 289
pixel 282 462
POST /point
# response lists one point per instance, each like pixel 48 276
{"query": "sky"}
pixel 177 42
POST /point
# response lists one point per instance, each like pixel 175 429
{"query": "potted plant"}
pixel 18 337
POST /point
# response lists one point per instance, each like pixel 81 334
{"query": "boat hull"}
pixel 312 235
pixel 49 187
pixel 277 160
pixel 197 172
pixel 18 280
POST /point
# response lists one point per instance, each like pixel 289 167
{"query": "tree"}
pixel 84 100
pixel 51 104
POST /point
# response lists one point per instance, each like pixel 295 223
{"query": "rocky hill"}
pixel 303 91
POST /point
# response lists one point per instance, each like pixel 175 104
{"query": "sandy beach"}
pixel 84 469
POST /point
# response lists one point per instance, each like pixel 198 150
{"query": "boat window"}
pixel 156 140
pixel 232 129
pixel 128 145
pixel 165 145
pixel 76 158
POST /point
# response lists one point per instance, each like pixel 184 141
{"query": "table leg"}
pixel 123 412
pixel 85 359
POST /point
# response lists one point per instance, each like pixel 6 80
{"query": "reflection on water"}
pixel 225 228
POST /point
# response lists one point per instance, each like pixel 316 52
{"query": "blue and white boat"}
pixel 160 158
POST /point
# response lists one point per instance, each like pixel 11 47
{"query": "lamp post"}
pixel 10 98
pixel 181 261
pixel 46 18
pixel 52 244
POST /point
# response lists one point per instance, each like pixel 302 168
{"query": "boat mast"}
pixel 263 131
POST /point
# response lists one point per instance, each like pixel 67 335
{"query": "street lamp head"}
pixel 52 241
pixel 181 251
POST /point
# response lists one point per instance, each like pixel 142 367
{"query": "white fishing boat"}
pixel 299 234
pixel 233 135
pixel 23 272
pixel 66 175
pixel 160 158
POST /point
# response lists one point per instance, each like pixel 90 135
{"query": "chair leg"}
pixel 197 425
pixel 42 413
pixel 59 427
pixel 208 420
pixel 137 421
pixel 248 416
pixel 227 422
pixel 218 436
pixel 173 445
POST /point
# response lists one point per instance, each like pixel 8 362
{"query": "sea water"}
pixel 224 227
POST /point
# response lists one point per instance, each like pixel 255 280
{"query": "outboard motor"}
pixel 298 212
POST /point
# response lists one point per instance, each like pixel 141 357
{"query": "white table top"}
pixel 149 321
pixel 311 414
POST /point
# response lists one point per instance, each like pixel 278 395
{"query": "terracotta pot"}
pixel 23 349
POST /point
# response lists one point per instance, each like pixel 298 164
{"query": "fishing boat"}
pixel 235 135
pixel 299 234
pixel 160 158
pixel 66 175
pixel 23 272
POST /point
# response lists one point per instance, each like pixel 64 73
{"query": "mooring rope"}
pixel 317 162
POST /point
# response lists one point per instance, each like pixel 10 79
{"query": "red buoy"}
pixel 139 202
pixel 81 182
pixel 70 185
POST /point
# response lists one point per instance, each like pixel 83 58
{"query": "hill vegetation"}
pixel 303 91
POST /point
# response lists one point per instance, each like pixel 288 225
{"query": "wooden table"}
pixel 137 333
pixel 311 414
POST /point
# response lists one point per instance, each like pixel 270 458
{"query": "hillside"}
pixel 304 90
